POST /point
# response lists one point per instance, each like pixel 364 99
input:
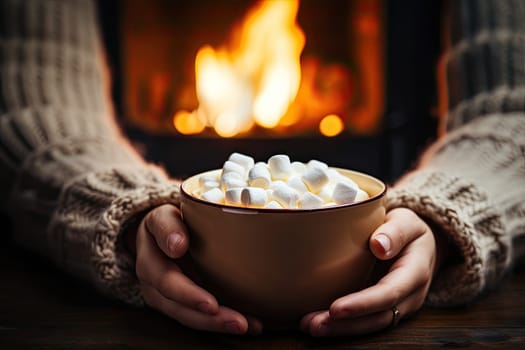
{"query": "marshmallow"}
pixel 214 195
pixel 344 193
pixel 335 176
pixel 297 184
pixel 253 197
pixel 351 182
pixel 315 178
pixel 326 192
pixel 317 164
pixel 259 176
pixel 231 175
pixel 245 161
pixel 361 195
pixel 232 180
pixel 273 205
pixel 298 167
pixel 280 167
pixel 309 201
pixel 278 184
pixel 232 167
pixel 232 196
pixel 208 185
pixel 207 177
pixel 286 196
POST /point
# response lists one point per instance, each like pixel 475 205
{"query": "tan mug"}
pixel 280 264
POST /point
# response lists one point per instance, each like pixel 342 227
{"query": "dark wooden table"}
pixel 41 308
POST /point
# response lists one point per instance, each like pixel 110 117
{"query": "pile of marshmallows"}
pixel 277 184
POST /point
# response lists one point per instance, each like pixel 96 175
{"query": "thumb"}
pixel 401 227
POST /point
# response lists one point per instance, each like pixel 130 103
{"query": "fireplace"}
pixel 364 99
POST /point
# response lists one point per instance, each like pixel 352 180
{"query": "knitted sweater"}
pixel 470 185
pixel 71 182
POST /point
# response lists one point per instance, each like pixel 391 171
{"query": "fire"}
pixel 260 79
pixel 264 81
pixel 255 79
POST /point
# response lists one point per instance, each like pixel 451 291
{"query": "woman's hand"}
pixel 408 239
pixel 161 240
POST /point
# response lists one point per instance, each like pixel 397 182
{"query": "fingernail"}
pixel 205 307
pixel 384 241
pixel 233 327
pixel 174 240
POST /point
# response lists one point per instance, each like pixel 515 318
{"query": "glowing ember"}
pixel 256 79
pixel 188 123
pixel 331 125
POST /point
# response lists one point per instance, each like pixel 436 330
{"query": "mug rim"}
pixel 248 210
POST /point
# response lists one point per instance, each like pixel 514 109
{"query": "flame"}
pixel 188 123
pixel 256 79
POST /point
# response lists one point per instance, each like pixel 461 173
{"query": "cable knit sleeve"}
pixel 70 181
pixel 471 184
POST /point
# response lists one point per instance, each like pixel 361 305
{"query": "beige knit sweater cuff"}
pixel 463 214
pixel 91 215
